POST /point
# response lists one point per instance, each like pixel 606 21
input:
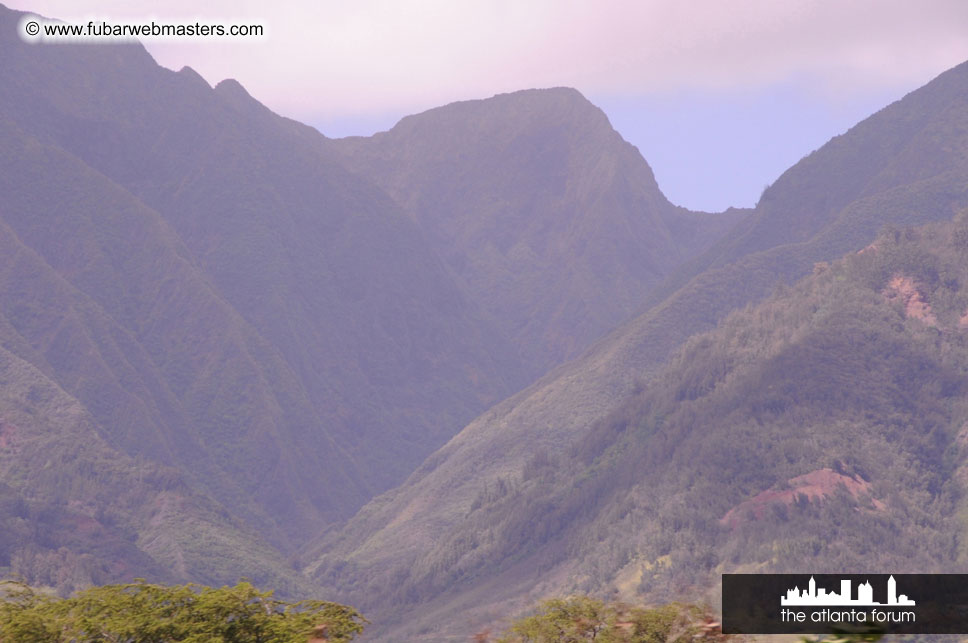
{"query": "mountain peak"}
pixel 231 88
pixel 192 75
pixel 545 96
pixel 238 98
pixel 512 111
pixel 510 185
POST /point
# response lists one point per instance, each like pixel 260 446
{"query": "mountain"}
pixel 220 298
pixel 546 215
pixel 822 429
pixel 74 511
pixel 238 311
pixel 513 505
pixel 222 333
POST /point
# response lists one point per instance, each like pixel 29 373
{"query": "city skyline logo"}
pixel 813 595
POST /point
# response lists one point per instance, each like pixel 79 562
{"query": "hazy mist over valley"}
pixel 479 360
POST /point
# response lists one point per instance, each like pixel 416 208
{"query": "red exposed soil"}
pixel 963 320
pixel 904 288
pixel 815 485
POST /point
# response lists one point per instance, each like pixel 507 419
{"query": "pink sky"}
pixel 372 61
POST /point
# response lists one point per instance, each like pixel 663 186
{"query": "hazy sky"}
pixel 720 96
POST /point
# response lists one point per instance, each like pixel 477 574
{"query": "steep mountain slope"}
pixel 252 312
pixel 823 429
pixel 75 511
pixel 416 533
pixel 98 318
pixel 109 469
pixel 231 299
pixel 548 217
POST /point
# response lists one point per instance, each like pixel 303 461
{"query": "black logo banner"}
pixel 845 603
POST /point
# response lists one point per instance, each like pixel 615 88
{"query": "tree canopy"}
pixel 146 613
pixel 582 618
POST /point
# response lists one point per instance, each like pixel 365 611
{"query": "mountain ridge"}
pixel 251 329
pixel 224 297
pixel 511 188
pixel 863 162
pixel 413 540
pixel 111 150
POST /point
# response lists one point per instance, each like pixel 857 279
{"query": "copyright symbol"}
pixel 32 28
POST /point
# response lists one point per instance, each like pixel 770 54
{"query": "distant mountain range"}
pixel 585 481
pixel 226 296
pixel 468 363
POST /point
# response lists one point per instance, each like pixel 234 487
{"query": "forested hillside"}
pixel 402 530
pixel 822 429
pixel 478 360
pixel 227 299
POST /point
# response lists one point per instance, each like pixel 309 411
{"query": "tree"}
pixel 581 618
pixel 145 613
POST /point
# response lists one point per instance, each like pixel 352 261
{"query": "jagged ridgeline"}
pixel 221 334
pixel 262 328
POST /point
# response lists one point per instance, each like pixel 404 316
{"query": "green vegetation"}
pixel 76 512
pixel 849 637
pixel 221 333
pixel 859 371
pixel 649 448
pixel 252 339
pixel 581 618
pixel 827 422
pixel 146 613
